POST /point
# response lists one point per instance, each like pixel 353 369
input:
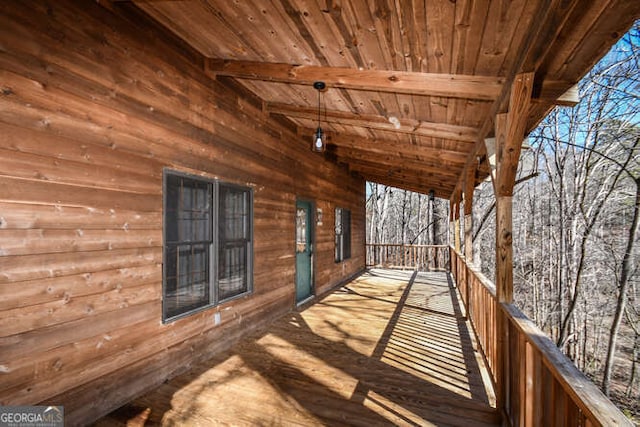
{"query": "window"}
pixel 208 243
pixel 343 234
pixel 234 237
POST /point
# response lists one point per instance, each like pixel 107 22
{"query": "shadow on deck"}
pixel 389 348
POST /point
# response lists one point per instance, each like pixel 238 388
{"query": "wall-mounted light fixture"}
pixel 319 143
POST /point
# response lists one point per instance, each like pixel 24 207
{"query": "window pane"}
pixel 301 230
pixel 346 234
pixel 187 210
pixel 188 214
pixel 187 278
pixel 234 212
pixel 234 241
pixel 232 270
pixel 338 235
pixel 342 234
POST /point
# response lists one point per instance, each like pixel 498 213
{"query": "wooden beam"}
pixel 402 178
pixel 434 156
pixel 422 188
pixel 470 178
pixel 509 132
pixel 434 150
pixel 412 83
pixel 558 93
pixel 403 174
pixel 456 226
pixel 408 126
pixel 555 11
pixel 508 147
pixel 393 161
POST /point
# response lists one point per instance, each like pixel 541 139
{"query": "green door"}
pixel 304 250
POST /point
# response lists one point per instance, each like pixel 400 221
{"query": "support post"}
pixel 509 133
pixel 456 222
pixel 469 186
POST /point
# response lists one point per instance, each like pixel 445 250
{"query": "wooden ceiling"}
pixel 412 86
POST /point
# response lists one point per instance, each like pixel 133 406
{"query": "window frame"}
pixel 213 263
pixel 343 236
pixel 249 240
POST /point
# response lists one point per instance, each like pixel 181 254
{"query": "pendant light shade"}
pixel 319 142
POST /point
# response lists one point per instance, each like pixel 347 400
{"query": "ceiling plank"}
pixel 415 184
pixel 412 83
pixel 437 157
pixel 351 156
pixel 413 127
pixel 529 52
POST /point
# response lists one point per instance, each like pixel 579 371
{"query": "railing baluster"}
pixel 543 387
pixel 417 257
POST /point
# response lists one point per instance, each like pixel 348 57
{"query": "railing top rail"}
pixel 586 395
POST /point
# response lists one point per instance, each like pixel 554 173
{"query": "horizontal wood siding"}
pixel 94 103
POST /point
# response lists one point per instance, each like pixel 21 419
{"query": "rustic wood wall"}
pixel 94 103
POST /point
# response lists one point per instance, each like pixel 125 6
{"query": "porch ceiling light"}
pixel 319 143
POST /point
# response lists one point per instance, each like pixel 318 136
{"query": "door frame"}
pixel 312 261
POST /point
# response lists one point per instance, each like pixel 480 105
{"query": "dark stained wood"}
pixel 389 347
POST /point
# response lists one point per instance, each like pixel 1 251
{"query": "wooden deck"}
pixel 388 348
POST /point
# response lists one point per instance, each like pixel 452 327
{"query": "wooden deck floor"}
pixel 386 349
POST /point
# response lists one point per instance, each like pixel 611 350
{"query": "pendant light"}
pixel 319 143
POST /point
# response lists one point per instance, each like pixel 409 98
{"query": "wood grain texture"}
pixel 418 128
pixel 387 348
pixel 95 103
pixel 431 84
pixel 545 387
pixel 439 62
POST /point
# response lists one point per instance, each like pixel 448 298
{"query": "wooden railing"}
pixel 538 385
pixel 415 257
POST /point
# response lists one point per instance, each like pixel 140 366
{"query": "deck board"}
pixel 388 348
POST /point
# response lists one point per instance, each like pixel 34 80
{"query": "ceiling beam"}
pixel 530 54
pixel 416 185
pixel 434 156
pixel 412 83
pixel 558 93
pixel 351 156
pixel 408 126
pixel 406 174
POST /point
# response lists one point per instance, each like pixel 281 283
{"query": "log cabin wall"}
pixel 94 103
